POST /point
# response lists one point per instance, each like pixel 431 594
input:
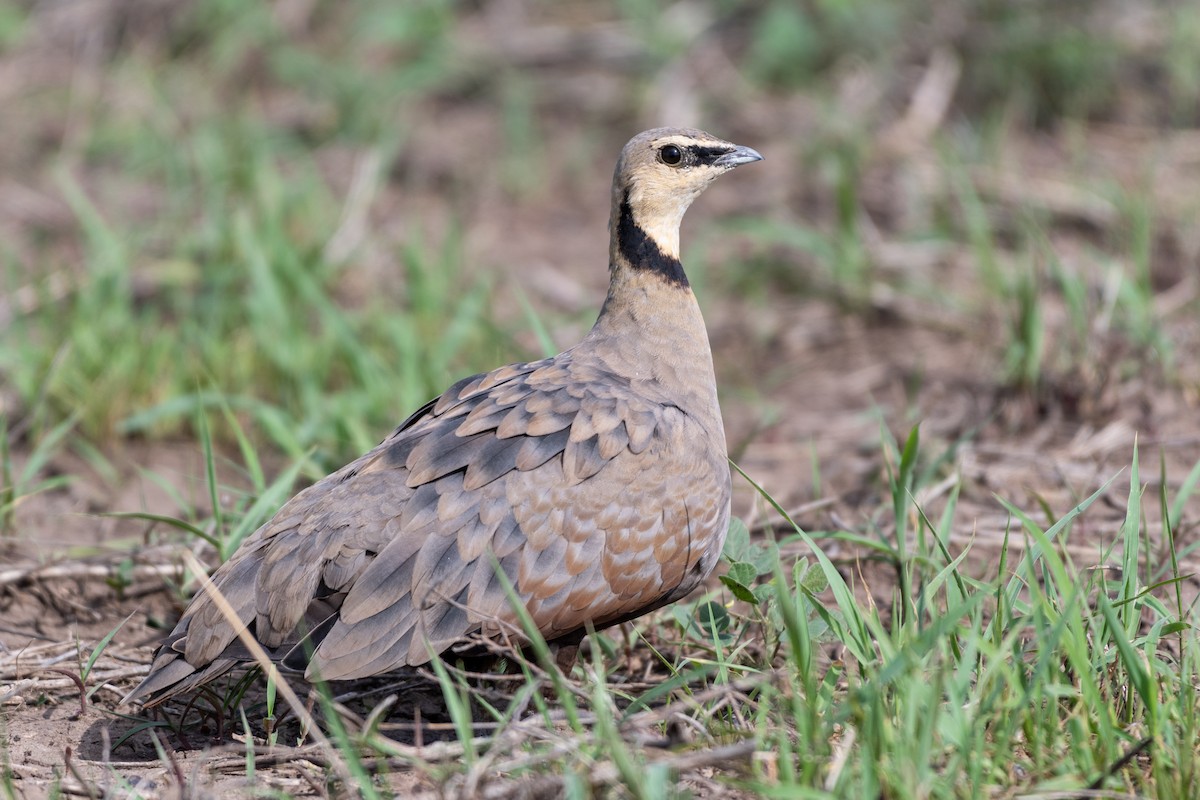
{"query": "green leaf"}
pixel 740 579
pixel 765 592
pixel 712 620
pixel 739 590
pixel 742 573
pixel 682 615
pixel 737 541
pixel 812 581
pixel 762 557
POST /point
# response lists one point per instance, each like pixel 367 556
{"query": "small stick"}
pixel 75 571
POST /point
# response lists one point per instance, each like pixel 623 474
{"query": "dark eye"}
pixel 670 155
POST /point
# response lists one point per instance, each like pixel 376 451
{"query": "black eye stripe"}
pixel 703 154
pixel 694 154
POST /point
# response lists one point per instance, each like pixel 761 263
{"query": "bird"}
pixel 595 483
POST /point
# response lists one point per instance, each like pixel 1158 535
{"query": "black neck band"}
pixel 642 252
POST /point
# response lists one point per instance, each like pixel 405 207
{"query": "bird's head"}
pixel 659 174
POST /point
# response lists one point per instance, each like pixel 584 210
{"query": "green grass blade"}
pixel 858 638
pixel 103 643
pixel 1186 489
pixel 540 648
pixel 1131 539
pixel 210 474
pixel 174 522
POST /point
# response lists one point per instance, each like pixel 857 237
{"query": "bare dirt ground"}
pixel 806 381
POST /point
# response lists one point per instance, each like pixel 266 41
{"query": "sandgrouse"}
pixel 597 480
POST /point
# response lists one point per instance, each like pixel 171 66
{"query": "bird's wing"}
pixel 547 469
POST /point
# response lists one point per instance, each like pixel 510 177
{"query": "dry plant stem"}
pixel 10 666
pixel 73 680
pixel 927 108
pixel 352 228
pixel 794 513
pixel 233 758
pixel 696 701
pixel 507 737
pixel 77 571
pixel 172 762
pixel 841 755
pixel 607 773
pixel 29 634
pixel 264 663
pixel 89 788
pixel 78 682
pixel 21 670
pixel 390 688
pixel 1133 753
pixel 440 751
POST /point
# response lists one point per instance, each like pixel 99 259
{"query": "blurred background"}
pixel 283 226
pixel 240 241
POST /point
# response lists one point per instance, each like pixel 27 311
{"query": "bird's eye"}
pixel 670 155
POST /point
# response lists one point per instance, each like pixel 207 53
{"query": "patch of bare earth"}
pixel 836 379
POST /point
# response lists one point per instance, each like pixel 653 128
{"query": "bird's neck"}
pixel 645 240
pixel 650 326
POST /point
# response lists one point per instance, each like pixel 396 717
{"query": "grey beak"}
pixel 738 156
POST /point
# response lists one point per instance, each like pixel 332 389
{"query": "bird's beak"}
pixel 736 157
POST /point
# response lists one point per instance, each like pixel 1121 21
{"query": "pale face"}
pixel 665 170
